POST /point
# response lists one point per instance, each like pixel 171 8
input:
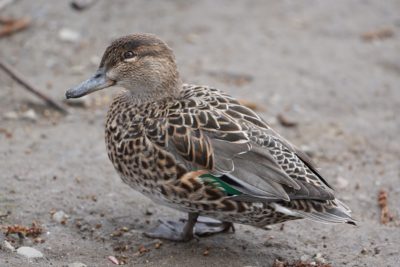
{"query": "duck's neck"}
pixel 138 97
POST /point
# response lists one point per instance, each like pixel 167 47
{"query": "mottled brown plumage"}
pixel 198 150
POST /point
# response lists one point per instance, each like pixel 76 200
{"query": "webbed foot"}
pixel 187 229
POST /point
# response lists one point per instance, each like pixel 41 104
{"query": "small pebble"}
pixel 11 115
pixel 304 258
pixel 319 258
pixel 113 260
pixel 60 216
pixel 206 252
pixel 158 245
pixel 29 252
pixel 69 35
pixel 8 246
pixel 30 115
pixel 77 264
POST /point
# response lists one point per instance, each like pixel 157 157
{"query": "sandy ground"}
pixel 303 59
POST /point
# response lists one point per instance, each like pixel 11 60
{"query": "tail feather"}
pixel 333 212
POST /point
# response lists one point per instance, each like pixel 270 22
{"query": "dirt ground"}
pixel 332 67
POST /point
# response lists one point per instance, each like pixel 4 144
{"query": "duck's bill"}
pixel 97 82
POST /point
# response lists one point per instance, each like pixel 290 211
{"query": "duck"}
pixel 196 149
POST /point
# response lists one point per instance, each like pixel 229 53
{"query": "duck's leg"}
pixel 175 231
pixel 186 229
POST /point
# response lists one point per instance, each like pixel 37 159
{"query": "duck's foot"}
pixel 181 231
pixel 187 229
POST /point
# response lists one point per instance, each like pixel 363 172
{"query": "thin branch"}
pixel 19 79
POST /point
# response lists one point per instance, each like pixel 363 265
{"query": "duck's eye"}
pixel 129 54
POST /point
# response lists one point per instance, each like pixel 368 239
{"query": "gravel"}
pixel 29 252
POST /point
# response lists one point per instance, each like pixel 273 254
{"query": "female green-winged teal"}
pixel 198 150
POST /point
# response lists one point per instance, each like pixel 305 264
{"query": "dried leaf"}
pixel 379 34
pixel 383 204
pixel 34 231
pixel 11 26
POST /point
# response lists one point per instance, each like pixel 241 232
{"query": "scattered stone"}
pixel 29 252
pixel 285 121
pixel 113 260
pixel 304 258
pixel 278 263
pixel 319 258
pixel 60 217
pixel 77 264
pixel 158 244
pixel 30 115
pixel 69 35
pixel 8 246
pixel 341 182
pixel 11 115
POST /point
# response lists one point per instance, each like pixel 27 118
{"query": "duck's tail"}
pixel 325 211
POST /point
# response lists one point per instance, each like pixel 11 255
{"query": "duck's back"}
pixel 203 151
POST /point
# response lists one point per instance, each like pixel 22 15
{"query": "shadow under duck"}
pixel 198 150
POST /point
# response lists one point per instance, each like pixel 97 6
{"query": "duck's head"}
pixel 141 63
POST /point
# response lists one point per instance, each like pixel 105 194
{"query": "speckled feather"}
pixel 163 147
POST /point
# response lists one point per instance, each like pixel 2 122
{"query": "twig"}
pixel 82 4
pixel 18 78
pixel 13 25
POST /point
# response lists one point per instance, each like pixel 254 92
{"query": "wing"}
pixel 210 130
